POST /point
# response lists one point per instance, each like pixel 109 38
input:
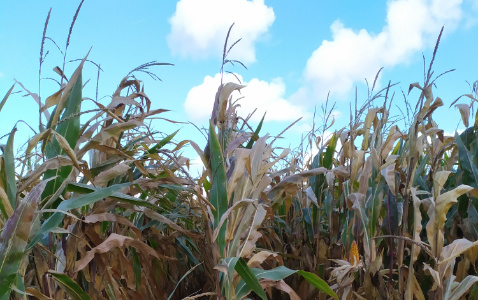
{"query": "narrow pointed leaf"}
pixel 281 273
pixel 218 190
pixel 6 97
pixel 318 283
pixel 256 133
pixel 162 143
pixel 69 128
pixel 462 287
pixel 71 288
pixel 10 170
pixel 14 238
pixel 251 281
pixel 54 220
pixel 466 161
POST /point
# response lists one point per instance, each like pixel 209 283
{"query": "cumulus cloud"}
pixel 198 28
pixel 263 95
pixel 351 56
pixel 196 166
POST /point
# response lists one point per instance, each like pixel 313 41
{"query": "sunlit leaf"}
pixel 218 196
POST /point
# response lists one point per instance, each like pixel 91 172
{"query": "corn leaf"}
pixel 162 143
pixel 218 190
pixel 466 162
pixel 6 97
pixel 460 289
pixel 10 170
pixel 69 128
pixel 71 288
pixel 318 283
pixel 86 189
pixel 249 278
pixel 14 238
pixel 54 220
pixel 281 273
pixel 114 241
pixel 255 136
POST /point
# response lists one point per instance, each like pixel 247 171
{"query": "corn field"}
pixel 104 207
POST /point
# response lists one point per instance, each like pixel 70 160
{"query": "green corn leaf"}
pixel 375 205
pixel 390 221
pixel 231 266
pixel 14 237
pixel 71 288
pixel 136 268
pixel 86 189
pixel 466 162
pixel 68 127
pixel 218 196
pixel 281 273
pixel 256 133
pixel 249 278
pixel 162 143
pixel 10 170
pixel 54 220
pixel 329 153
pixel 318 283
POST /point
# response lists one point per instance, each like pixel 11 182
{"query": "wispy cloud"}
pixel 351 55
pixel 198 28
pixel 263 95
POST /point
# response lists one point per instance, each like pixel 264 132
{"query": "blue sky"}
pixel 295 51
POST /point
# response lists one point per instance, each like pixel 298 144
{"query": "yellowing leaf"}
pixel 439 181
pixel 417 224
pixel 456 248
pixel 389 174
pixel 464 112
pixel 393 135
pixel 356 164
pixel 36 138
pixel 371 114
pixel 67 149
pixel 52 100
pixel 437 213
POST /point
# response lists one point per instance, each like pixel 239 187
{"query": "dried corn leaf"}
pixel 51 164
pixel 102 179
pixel 437 214
pixel 464 112
pixel 371 115
pixel 253 233
pixel 36 138
pixel 52 100
pixel 258 258
pixel 109 217
pixel 116 241
pixel 220 103
pixel 158 217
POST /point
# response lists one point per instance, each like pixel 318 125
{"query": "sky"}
pixel 297 54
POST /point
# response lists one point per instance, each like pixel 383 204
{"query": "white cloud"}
pixel 351 56
pixel 196 166
pixel 263 95
pixel 199 28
